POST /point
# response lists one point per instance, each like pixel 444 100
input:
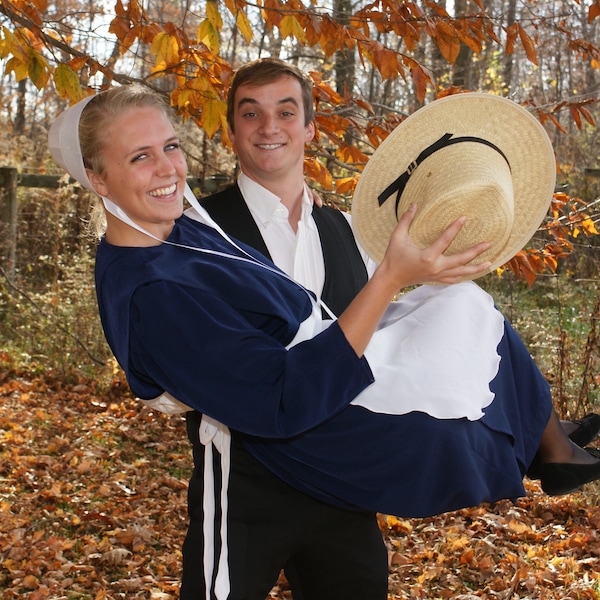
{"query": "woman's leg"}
pixel 556 447
pixel 564 467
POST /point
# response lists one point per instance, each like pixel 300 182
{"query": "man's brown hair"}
pixel 264 71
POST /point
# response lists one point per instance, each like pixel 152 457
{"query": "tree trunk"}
pixel 508 62
pixel 462 70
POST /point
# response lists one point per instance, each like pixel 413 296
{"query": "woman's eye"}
pixel 173 146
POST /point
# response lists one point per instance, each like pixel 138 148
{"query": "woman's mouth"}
pixel 164 191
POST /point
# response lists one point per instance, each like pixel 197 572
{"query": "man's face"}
pixel 270 134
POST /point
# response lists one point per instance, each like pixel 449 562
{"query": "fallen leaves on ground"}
pixel 93 506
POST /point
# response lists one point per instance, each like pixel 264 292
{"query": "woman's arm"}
pixel 212 358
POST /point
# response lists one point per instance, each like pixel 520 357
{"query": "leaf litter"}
pixel 93 506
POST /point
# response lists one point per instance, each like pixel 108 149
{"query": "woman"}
pixel 199 321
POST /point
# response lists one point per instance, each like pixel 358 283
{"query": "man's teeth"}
pixel 164 191
pixel 269 146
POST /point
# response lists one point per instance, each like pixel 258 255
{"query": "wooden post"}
pixel 8 220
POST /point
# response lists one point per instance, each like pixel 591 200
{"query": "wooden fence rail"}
pixel 11 179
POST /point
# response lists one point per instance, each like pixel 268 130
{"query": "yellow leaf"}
pixel 66 82
pixel 589 226
pixel 13 46
pixel 290 27
pixel 38 70
pixel 209 36
pixel 212 112
pixel 166 49
pixel 19 68
pixel 213 15
pixel 244 26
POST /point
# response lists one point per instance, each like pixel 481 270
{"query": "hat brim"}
pixel 517 133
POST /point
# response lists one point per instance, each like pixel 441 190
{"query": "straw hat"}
pixel 472 154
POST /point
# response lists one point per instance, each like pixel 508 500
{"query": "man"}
pixel 326 552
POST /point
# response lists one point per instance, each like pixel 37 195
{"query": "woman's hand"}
pixel 405 264
pixel 412 265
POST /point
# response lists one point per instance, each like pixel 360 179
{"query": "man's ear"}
pixel 231 136
pixel 310 132
pixel 97 182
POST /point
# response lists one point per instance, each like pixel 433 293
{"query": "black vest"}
pixel 345 271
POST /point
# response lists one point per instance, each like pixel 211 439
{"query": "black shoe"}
pixel 534 468
pixel 587 430
pixel 564 478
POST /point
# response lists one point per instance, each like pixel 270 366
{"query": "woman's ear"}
pixel 97 182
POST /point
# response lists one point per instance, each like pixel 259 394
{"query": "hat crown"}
pixel 471 180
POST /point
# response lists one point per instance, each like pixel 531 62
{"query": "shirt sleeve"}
pixel 208 356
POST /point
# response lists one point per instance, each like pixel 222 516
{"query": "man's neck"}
pixel 290 192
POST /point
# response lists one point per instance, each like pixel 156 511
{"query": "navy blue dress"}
pixel 213 332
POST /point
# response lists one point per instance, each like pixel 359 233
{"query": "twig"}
pixel 41 311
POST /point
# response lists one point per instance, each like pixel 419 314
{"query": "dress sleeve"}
pixel 208 356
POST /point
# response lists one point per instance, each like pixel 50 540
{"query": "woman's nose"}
pixel 165 165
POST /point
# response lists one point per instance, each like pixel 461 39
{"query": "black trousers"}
pixel 327 552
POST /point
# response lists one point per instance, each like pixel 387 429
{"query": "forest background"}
pixel 373 64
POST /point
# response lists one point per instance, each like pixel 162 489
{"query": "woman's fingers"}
pixel 430 264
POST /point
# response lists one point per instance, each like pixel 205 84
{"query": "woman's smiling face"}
pixel 144 169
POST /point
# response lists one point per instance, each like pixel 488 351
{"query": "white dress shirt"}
pixel 299 254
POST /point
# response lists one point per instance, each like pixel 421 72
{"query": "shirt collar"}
pixel 263 203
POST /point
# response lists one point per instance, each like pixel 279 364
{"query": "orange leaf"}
pixel 346 185
pixel 576 116
pixel 351 154
pixel 511 35
pixel 528 45
pixel 314 170
pixel 587 115
pixel 447 41
pixel 420 79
